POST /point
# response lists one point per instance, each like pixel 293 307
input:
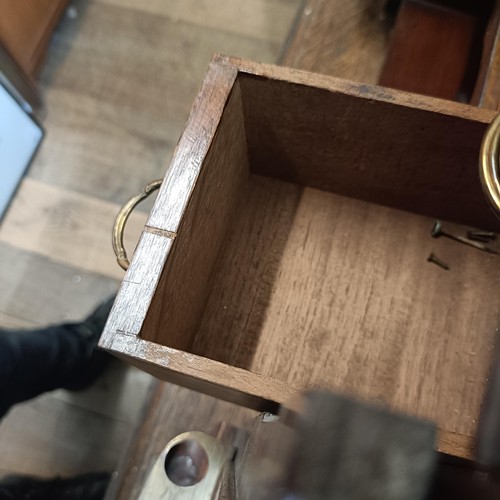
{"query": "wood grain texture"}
pixel 268 20
pixel 429 51
pixel 244 285
pixel 95 148
pixel 337 38
pixel 186 277
pixel 353 144
pixel 67 227
pixel 336 292
pixel 29 292
pixel 119 84
pixel 350 88
pixel 137 288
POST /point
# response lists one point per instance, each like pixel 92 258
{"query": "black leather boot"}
pixel 90 486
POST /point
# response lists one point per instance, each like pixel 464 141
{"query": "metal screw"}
pixel 437 231
pixel 432 258
pixel 483 236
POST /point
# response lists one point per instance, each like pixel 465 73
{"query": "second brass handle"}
pixel 489 164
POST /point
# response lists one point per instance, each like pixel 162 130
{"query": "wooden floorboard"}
pixel 49 436
pixel 267 20
pixel 338 38
pixel 119 86
pixel 68 227
pixel 12 321
pixel 40 291
pixel 111 394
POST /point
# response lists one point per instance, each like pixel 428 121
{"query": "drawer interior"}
pixel 318 289
pixel 301 254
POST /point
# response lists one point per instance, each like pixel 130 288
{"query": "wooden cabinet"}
pixel 25 30
pixel 287 249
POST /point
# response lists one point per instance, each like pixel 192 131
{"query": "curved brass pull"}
pixel 489 170
pixel 121 220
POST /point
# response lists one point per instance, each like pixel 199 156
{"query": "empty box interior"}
pixel 298 255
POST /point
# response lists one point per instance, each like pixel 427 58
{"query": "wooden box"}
pixel 287 249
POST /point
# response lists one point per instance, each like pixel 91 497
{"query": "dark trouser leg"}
pixel 36 361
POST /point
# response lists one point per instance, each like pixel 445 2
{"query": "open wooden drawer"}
pixel 249 286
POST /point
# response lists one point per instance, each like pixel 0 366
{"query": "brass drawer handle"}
pixel 121 220
pixel 489 170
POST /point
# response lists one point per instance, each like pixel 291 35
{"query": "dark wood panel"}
pixel 370 143
pixel 429 50
pixel 25 30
